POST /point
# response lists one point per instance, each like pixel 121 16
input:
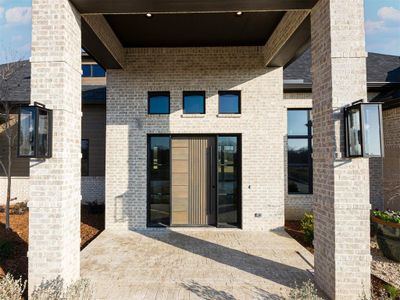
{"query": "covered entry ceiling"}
pixel 194 29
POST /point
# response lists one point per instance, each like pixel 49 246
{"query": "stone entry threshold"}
pixel 188 263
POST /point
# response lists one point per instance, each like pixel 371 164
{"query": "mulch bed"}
pixel 293 228
pixel 17 264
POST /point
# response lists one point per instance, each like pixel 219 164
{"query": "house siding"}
pixel 391 161
pixel 193 69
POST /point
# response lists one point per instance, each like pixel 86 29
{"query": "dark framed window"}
pixel 194 102
pixel 85 157
pixel 229 102
pixel 299 144
pixel 158 103
pixel 158 206
pixel 93 70
pixel 98 71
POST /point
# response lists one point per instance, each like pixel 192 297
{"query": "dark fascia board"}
pixel 307 87
pixel 187 6
pixel 96 49
pixel 296 45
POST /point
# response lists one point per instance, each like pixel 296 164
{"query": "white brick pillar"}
pixel 341 186
pixel 55 193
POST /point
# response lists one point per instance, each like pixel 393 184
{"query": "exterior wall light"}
pixel 363 129
pixel 35 128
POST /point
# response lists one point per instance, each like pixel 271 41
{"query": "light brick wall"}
pixel 341 186
pixel 19 189
pixel 184 69
pixel 93 189
pixel 54 206
pixel 391 162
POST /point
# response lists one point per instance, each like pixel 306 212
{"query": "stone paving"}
pixel 195 264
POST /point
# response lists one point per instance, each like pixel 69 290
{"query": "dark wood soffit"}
pixel 171 6
pixel 95 47
pixel 295 46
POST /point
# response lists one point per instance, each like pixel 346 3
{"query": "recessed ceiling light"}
pixel 149 15
pixel 239 13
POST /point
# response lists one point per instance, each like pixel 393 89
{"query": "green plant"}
pixel 393 292
pixel 387 216
pixel 307 225
pixel 11 288
pixel 306 291
pixel 55 290
pixel 6 249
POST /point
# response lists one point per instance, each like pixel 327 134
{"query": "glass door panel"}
pixel 159 181
pixel 228 181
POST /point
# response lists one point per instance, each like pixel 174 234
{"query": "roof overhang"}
pixel 187 6
pixel 194 23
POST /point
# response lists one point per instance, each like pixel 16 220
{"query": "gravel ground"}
pixel 384 268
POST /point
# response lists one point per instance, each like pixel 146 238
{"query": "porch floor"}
pixel 195 264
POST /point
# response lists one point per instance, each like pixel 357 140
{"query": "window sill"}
pixel 193 116
pixel 229 115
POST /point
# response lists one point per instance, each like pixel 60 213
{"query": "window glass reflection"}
pixel 298 122
pixel 43 134
pixel 193 103
pixel 158 103
pixel 229 103
pixel 228 180
pixel 159 181
pixel 354 132
pixel 27 128
pixel 372 135
pixel 298 180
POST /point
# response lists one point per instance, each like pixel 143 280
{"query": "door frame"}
pixel 215 136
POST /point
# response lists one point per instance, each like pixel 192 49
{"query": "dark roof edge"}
pixel 307 87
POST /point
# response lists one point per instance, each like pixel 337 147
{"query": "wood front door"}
pixel 193 194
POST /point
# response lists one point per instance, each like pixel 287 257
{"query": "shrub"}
pixel 387 216
pixel 393 293
pixel 54 290
pixel 307 225
pixel 306 291
pixel 11 288
pixel 6 249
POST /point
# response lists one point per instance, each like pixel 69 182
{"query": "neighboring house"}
pixel 93 134
pixel 383 82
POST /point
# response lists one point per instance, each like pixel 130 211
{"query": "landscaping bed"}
pixel 16 261
pixel 382 268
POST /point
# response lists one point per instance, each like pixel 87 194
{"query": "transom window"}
pixel 159 103
pixel 229 102
pixel 194 102
pixel 299 151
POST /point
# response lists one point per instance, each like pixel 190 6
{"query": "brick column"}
pixel 55 188
pixel 341 186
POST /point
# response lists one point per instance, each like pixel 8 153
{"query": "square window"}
pixel 194 103
pixel 98 71
pixel 158 103
pixel 229 102
pixel 86 71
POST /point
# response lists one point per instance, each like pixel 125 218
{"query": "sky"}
pixel 382 24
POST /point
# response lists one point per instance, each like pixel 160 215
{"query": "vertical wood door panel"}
pixel 193 182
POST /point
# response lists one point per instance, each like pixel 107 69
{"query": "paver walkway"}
pixel 194 264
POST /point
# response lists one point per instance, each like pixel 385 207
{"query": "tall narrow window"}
pixel 229 102
pixel 158 103
pixel 194 102
pixel 85 157
pixel 159 181
pixel 299 151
